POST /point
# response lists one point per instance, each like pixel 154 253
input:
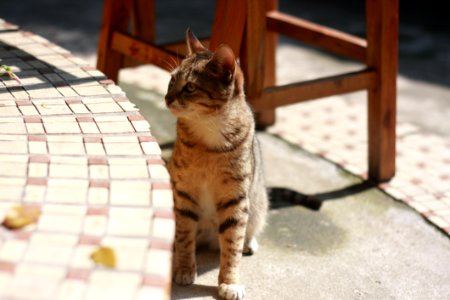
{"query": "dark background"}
pixel 424 26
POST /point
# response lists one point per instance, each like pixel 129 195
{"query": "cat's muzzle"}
pixel 169 100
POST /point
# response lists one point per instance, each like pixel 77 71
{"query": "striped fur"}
pixel 215 168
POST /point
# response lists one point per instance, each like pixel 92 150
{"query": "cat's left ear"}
pixel 224 57
pixel 192 43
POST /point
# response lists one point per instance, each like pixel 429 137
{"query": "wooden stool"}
pixel 118 48
pixel 250 27
pixel 378 51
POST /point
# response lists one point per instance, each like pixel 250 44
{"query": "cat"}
pixel 215 169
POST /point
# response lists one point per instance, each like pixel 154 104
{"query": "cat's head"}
pixel 204 81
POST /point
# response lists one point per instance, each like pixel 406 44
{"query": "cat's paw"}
pixel 250 247
pixel 231 291
pixel 184 276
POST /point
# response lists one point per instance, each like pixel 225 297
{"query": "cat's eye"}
pixel 171 82
pixel 190 87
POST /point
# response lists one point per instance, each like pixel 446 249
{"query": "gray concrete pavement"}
pixel 361 246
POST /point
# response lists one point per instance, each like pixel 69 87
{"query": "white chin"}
pixel 175 110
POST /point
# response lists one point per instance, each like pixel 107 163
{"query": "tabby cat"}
pixel 215 168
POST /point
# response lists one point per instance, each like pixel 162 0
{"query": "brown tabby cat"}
pixel 216 166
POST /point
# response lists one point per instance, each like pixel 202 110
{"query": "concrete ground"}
pixel 361 244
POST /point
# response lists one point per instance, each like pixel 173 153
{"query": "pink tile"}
pixel 85 119
pixel 74 101
pixel 161 186
pixel 146 139
pixel 136 118
pixel 97 161
pixel 23 235
pixel 89 240
pixel 161 245
pixel 97 211
pixel 7 267
pixel 121 99
pixel 154 280
pixel 99 184
pixel 92 139
pixel 155 161
pixel 37 138
pixel 32 119
pixel 24 103
pixel 88 68
pixel 164 214
pixel 37 181
pixel 39 159
pixel 78 274
pixel 106 81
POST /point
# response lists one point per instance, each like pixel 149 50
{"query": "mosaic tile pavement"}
pixel 336 130
pixel 73 146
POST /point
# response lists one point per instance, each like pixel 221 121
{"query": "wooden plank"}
pixel 180 47
pixel 271 40
pixel 307 90
pixel 145 53
pixel 229 24
pixel 253 58
pixel 252 54
pixel 317 35
pixel 116 16
pixel 267 117
pixel 177 48
pixel 382 56
pixel 143 20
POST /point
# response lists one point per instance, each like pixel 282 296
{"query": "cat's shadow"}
pixel 194 291
pixel 207 260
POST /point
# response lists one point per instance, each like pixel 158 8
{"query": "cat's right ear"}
pixel 193 44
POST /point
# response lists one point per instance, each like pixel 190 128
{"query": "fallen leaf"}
pixel 20 216
pixel 104 256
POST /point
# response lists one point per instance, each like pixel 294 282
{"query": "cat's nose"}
pixel 169 99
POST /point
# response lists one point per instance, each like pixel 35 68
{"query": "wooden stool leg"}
pixel 267 118
pixel 229 24
pixel 116 16
pixel 143 22
pixel 252 54
pixel 382 41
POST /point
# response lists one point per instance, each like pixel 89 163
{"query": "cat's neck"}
pixel 216 130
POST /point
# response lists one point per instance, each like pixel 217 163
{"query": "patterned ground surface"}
pixel 75 148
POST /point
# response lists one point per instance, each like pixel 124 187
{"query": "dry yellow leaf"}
pixel 104 256
pixel 20 216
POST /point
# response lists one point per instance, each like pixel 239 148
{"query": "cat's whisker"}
pixel 169 65
pixel 175 62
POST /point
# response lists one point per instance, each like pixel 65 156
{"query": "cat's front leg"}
pixel 233 217
pixel 186 228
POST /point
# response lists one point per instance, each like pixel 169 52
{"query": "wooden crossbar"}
pixel 276 96
pixel 180 47
pixel 143 52
pixel 317 35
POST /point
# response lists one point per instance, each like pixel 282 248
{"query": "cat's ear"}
pixel 192 43
pixel 224 57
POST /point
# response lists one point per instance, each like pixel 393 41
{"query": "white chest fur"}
pixel 207 230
